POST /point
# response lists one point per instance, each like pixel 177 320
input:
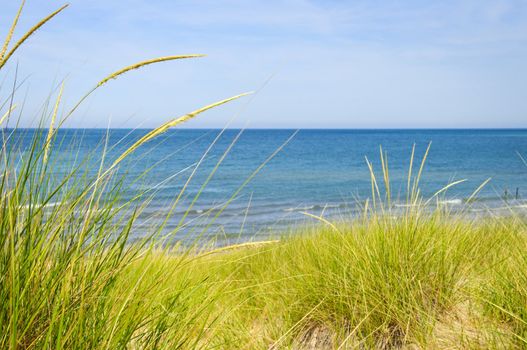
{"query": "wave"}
pixel 315 207
pixel 405 205
pixel 456 201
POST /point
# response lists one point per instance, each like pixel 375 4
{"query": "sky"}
pixel 312 64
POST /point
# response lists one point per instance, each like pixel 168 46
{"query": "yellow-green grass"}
pixel 70 277
pixel 427 280
pixel 384 282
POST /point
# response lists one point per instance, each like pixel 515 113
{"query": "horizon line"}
pixel 280 128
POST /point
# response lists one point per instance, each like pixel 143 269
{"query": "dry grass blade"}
pixel 163 128
pixel 52 123
pixel 295 326
pixel 29 33
pixel 477 190
pixel 375 192
pixel 410 168
pixel 238 246
pixel 145 63
pixel 386 175
pixel 9 111
pixel 444 189
pixel 120 72
pixel 321 219
pixel 11 31
pixel 417 179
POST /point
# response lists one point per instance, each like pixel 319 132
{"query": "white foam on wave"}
pixel 315 207
pixel 404 205
pixel 311 207
pixel 451 201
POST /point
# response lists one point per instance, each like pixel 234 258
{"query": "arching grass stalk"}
pixel 65 243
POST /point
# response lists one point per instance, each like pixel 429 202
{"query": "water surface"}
pixel 318 171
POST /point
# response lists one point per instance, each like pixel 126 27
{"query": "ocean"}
pixel 322 172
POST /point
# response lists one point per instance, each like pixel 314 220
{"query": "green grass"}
pixel 427 280
pixel 420 281
pixel 70 278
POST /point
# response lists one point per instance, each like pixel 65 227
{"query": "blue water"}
pixel 315 169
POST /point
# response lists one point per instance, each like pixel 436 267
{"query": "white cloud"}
pixel 394 60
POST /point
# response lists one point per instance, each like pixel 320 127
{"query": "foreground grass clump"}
pixel 506 293
pixel 64 236
pixel 417 280
pixel 379 283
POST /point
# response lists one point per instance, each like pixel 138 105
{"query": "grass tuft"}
pixel 141 64
pixel 31 31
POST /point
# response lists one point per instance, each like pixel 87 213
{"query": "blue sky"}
pixel 353 64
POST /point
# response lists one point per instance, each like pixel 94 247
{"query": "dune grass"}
pixel 419 281
pixel 71 278
pixel 64 240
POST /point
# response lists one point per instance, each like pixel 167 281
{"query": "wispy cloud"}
pixel 413 63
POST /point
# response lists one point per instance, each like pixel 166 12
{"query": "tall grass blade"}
pixel 145 63
pixel 51 129
pixel 163 128
pixel 477 190
pixel 415 189
pixel 444 189
pixel 11 31
pixel 29 33
pixel 6 114
pixel 120 72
